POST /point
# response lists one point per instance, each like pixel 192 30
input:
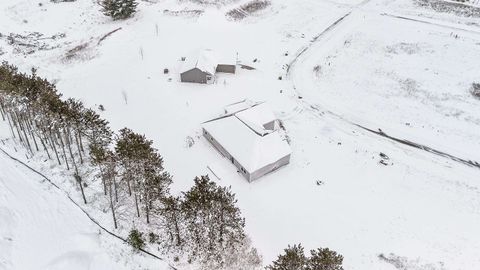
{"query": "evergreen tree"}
pixel 293 259
pixel 324 259
pixel 136 239
pixel 213 221
pixel 142 170
pixel 173 220
pixel 119 9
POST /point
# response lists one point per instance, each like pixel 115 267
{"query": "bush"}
pixel 152 238
pixel 476 90
pixel 135 239
pixel 247 9
pixel 119 9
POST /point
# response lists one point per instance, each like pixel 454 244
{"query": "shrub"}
pixel 119 9
pixel 152 238
pixel 135 239
pixel 476 90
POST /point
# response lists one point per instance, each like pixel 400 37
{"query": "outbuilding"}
pixel 198 68
pixel 201 66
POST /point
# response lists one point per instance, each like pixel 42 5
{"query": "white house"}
pixel 249 139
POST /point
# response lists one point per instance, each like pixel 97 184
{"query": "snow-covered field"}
pixel 408 75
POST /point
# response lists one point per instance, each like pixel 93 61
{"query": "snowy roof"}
pixel 201 59
pixel 239 106
pixel 257 115
pixel 252 151
pixel 225 58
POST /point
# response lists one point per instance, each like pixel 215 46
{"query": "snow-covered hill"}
pixel 397 66
pixel 40 228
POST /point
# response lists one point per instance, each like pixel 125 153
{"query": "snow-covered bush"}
pixel 119 9
pixel 248 9
pixel 135 239
pixel 476 90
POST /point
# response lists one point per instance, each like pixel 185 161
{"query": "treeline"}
pixel 294 258
pixel 203 224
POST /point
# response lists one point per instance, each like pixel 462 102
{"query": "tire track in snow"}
pixel 314 40
pixel 325 31
pixel 430 23
pixel 81 208
pixel 317 110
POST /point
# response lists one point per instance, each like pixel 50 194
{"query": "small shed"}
pixel 226 64
pixel 201 65
pixel 198 67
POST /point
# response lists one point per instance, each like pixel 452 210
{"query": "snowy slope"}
pixel 41 229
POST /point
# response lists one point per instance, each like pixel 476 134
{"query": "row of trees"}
pixel 203 222
pixel 42 121
pixel 320 259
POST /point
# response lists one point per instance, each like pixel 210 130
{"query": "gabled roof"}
pixel 257 116
pixel 251 150
pixel 202 59
pixel 239 106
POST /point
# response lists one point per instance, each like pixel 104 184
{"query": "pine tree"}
pixel 142 170
pixel 136 239
pixel 324 259
pixel 119 9
pixel 173 219
pixel 293 259
pixel 213 221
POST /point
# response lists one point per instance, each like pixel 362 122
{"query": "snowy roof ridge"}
pixel 202 59
pixel 261 131
pixel 252 151
pixel 242 133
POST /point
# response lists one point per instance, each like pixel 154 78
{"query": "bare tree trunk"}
pixel 54 147
pixel 136 205
pixel 115 189
pixel 111 205
pixel 177 230
pixel 59 136
pixel 147 209
pixel 128 183
pixel 69 146
pixel 30 130
pixel 24 132
pixel 1 111
pixel 78 147
pixel 10 124
pixel 111 181
pixel 80 140
pixel 103 175
pixel 15 123
pixel 80 183
pixel 44 147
